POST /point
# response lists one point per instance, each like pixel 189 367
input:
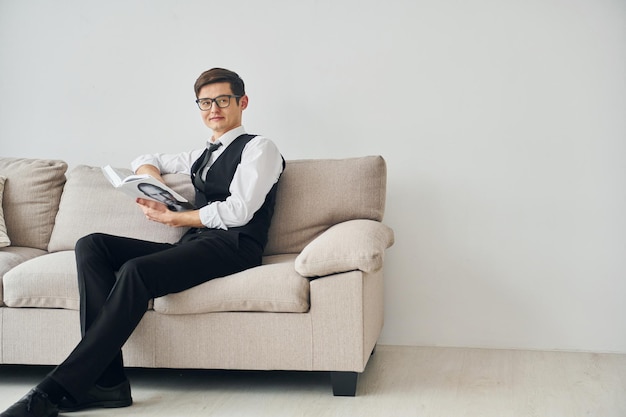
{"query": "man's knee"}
pixel 88 245
pixel 89 241
pixel 133 273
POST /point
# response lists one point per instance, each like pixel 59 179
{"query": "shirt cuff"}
pixel 144 160
pixel 210 218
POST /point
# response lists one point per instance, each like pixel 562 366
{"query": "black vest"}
pixel 217 184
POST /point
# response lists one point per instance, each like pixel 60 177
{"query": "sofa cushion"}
pixel 90 204
pixel 316 194
pixel 31 199
pixel 12 256
pixel 49 281
pixel 274 286
pixel 4 238
pixel 348 246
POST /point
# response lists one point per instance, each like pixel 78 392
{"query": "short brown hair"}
pixel 220 75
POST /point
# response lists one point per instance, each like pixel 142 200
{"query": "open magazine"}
pixel 148 187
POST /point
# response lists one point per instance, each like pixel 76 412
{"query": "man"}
pixel 235 178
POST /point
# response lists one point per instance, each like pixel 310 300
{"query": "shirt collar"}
pixel 228 137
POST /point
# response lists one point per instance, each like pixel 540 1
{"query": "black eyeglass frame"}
pixel 215 100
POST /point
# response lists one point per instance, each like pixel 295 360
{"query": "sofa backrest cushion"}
pixel 31 197
pixel 312 196
pixel 316 194
pixel 91 204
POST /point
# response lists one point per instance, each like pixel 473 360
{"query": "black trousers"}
pixel 118 276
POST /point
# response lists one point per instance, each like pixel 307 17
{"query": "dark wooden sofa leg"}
pixel 344 383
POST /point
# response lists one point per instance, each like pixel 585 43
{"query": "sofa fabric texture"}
pixel 344 247
pixel 276 288
pixel 316 302
pixel 115 213
pixel 316 194
pixel 31 197
pixel 4 237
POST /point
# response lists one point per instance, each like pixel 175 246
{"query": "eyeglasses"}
pixel 222 102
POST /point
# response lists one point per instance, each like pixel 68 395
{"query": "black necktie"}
pixel 200 164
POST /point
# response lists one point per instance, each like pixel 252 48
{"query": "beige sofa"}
pixel 316 304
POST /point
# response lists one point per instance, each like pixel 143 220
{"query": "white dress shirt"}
pixel 260 168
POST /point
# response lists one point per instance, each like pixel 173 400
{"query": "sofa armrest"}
pixel 347 246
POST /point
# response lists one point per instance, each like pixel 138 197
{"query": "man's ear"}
pixel 243 102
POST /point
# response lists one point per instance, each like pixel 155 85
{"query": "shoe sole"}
pixel 98 404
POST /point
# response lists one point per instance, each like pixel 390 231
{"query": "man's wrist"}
pixel 189 219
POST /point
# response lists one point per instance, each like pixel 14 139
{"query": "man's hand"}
pixel 158 212
pixel 155 211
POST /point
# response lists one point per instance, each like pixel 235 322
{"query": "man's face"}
pixel 221 120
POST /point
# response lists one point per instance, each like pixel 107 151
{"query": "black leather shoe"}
pixel 34 404
pixel 101 397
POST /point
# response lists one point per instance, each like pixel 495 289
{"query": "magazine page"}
pixel 148 187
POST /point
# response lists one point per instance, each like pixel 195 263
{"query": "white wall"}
pixel 502 122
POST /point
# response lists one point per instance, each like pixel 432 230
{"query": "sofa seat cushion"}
pixel 49 281
pixel 274 286
pixel 12 256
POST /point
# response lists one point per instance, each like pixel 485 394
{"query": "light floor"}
pixel 398 381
